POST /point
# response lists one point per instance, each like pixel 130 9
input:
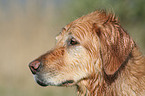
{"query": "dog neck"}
pixel 125 81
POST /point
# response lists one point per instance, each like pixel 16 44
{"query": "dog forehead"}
pixel 84 25
pixel 77 28
pixel 85 22
pixel 98 16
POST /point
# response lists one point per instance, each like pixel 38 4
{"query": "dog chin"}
pixel 40 81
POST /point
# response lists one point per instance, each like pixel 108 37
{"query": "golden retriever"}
pixel 95 54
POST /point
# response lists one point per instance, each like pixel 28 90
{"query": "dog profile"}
pixel 95 54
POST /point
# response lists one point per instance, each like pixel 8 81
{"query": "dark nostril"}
pixel 34 66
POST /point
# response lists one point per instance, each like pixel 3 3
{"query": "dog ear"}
pixel 116 46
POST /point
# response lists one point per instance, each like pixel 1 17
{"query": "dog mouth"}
pixel 67 83
pixel 41 83
pixel 44 83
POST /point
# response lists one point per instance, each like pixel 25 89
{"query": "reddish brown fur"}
pixel 105 62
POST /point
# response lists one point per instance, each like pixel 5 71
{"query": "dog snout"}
pixel 35 66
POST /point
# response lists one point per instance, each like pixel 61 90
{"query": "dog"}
pixel 95 54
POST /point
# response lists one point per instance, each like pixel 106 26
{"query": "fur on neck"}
pixel 129 80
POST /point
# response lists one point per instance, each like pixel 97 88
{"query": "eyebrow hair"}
pixel 63 29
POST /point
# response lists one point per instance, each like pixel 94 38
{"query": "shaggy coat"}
pixel 95 54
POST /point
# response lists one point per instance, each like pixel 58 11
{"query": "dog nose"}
pixel 34 66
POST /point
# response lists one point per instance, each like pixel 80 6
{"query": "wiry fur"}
pixel 102 61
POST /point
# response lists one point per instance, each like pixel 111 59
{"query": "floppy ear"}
pixel 116 46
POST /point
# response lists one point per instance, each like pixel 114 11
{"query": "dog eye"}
pixel 73 41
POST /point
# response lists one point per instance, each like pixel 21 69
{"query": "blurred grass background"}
pixel 28 29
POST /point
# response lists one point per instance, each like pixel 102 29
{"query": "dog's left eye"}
pixel 73 41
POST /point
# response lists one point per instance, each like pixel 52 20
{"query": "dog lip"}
pixel 41 83
pixel 67 82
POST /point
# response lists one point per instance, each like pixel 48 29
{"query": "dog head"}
pixel 90 44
